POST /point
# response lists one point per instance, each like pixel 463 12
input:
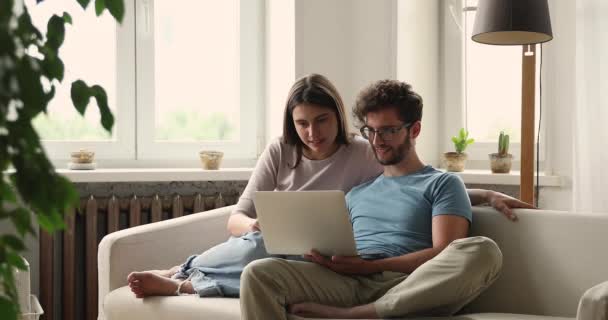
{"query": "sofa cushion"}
pixel 550 259
pixel 121 304
pixel 500 316
pixel 474 316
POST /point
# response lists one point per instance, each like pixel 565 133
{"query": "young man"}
pixel 410 226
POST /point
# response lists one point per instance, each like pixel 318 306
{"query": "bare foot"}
pixel 148 283
pixel 315 310
pixel 163 273
pixel 166 273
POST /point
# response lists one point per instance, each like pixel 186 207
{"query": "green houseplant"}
pixel 29 184
pixel 455 161
pixel 500 162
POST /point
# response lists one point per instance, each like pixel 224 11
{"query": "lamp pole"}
pixel 528 77
pixel 518 22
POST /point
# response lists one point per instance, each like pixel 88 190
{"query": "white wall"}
pixel 323 41
pixel 349 41
pixel 374 42
pixel 418 63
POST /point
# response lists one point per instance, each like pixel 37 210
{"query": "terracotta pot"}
pixel 454 161
pixel 500 163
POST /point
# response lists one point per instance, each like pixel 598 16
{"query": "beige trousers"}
pixel 441 286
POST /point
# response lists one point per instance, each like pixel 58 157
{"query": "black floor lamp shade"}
pixel 512 22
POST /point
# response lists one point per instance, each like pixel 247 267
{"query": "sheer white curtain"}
pixel 590 176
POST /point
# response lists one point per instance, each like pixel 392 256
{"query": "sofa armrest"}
pixel 594 303
pixel 159 245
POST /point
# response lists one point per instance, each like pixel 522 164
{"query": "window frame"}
pixel 121 146
pixel 251 90
pixel 132 145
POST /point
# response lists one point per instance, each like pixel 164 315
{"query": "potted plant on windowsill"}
pixel 455 161
pixel 501 162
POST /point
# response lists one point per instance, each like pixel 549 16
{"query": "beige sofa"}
pixel 550 259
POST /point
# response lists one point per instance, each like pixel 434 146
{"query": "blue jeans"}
pixel 217 271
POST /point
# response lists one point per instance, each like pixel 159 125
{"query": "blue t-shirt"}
pixel 392 216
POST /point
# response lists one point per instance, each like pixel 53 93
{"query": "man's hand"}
pixel 344 265
pixel 505 203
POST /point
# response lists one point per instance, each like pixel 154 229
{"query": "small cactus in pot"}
pixel 500 162
pixel 503 144
pixel 455 161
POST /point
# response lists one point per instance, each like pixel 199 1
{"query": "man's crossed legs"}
pixel 442 286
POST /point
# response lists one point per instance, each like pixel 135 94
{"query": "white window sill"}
pixel 243 174
pixel 472 176
pixel 156 174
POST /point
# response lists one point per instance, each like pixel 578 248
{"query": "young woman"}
pixel 316 152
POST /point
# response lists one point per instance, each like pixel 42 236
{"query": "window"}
pixel 179 77
pixel 102 72
pixel 489 93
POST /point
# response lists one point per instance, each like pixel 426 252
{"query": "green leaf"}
pixel 13 242
pixel 84 3
pixel 100 5
pixel 45 222
pixel 66 192
pixel 6 10
pixel 53 68
pixel 16 261
pixel 22 220
pixel 8 273
pixel 8 309
pixel 67 18
pixel 107 119
pixel 51 222
pixel 2 257
pixel 116 8
pixel 7 193
pixel 80 95
pixel 32 93
pixel 55 32
pixel 49 96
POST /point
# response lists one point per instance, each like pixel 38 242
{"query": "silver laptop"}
pixel 294 222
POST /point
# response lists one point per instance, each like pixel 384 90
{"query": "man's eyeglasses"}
pixel 386 133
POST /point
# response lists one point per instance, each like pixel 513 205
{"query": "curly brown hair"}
pixel 385 94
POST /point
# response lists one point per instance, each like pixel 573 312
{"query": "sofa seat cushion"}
pixel 501 316
pixel 475 316
pixel 121 304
